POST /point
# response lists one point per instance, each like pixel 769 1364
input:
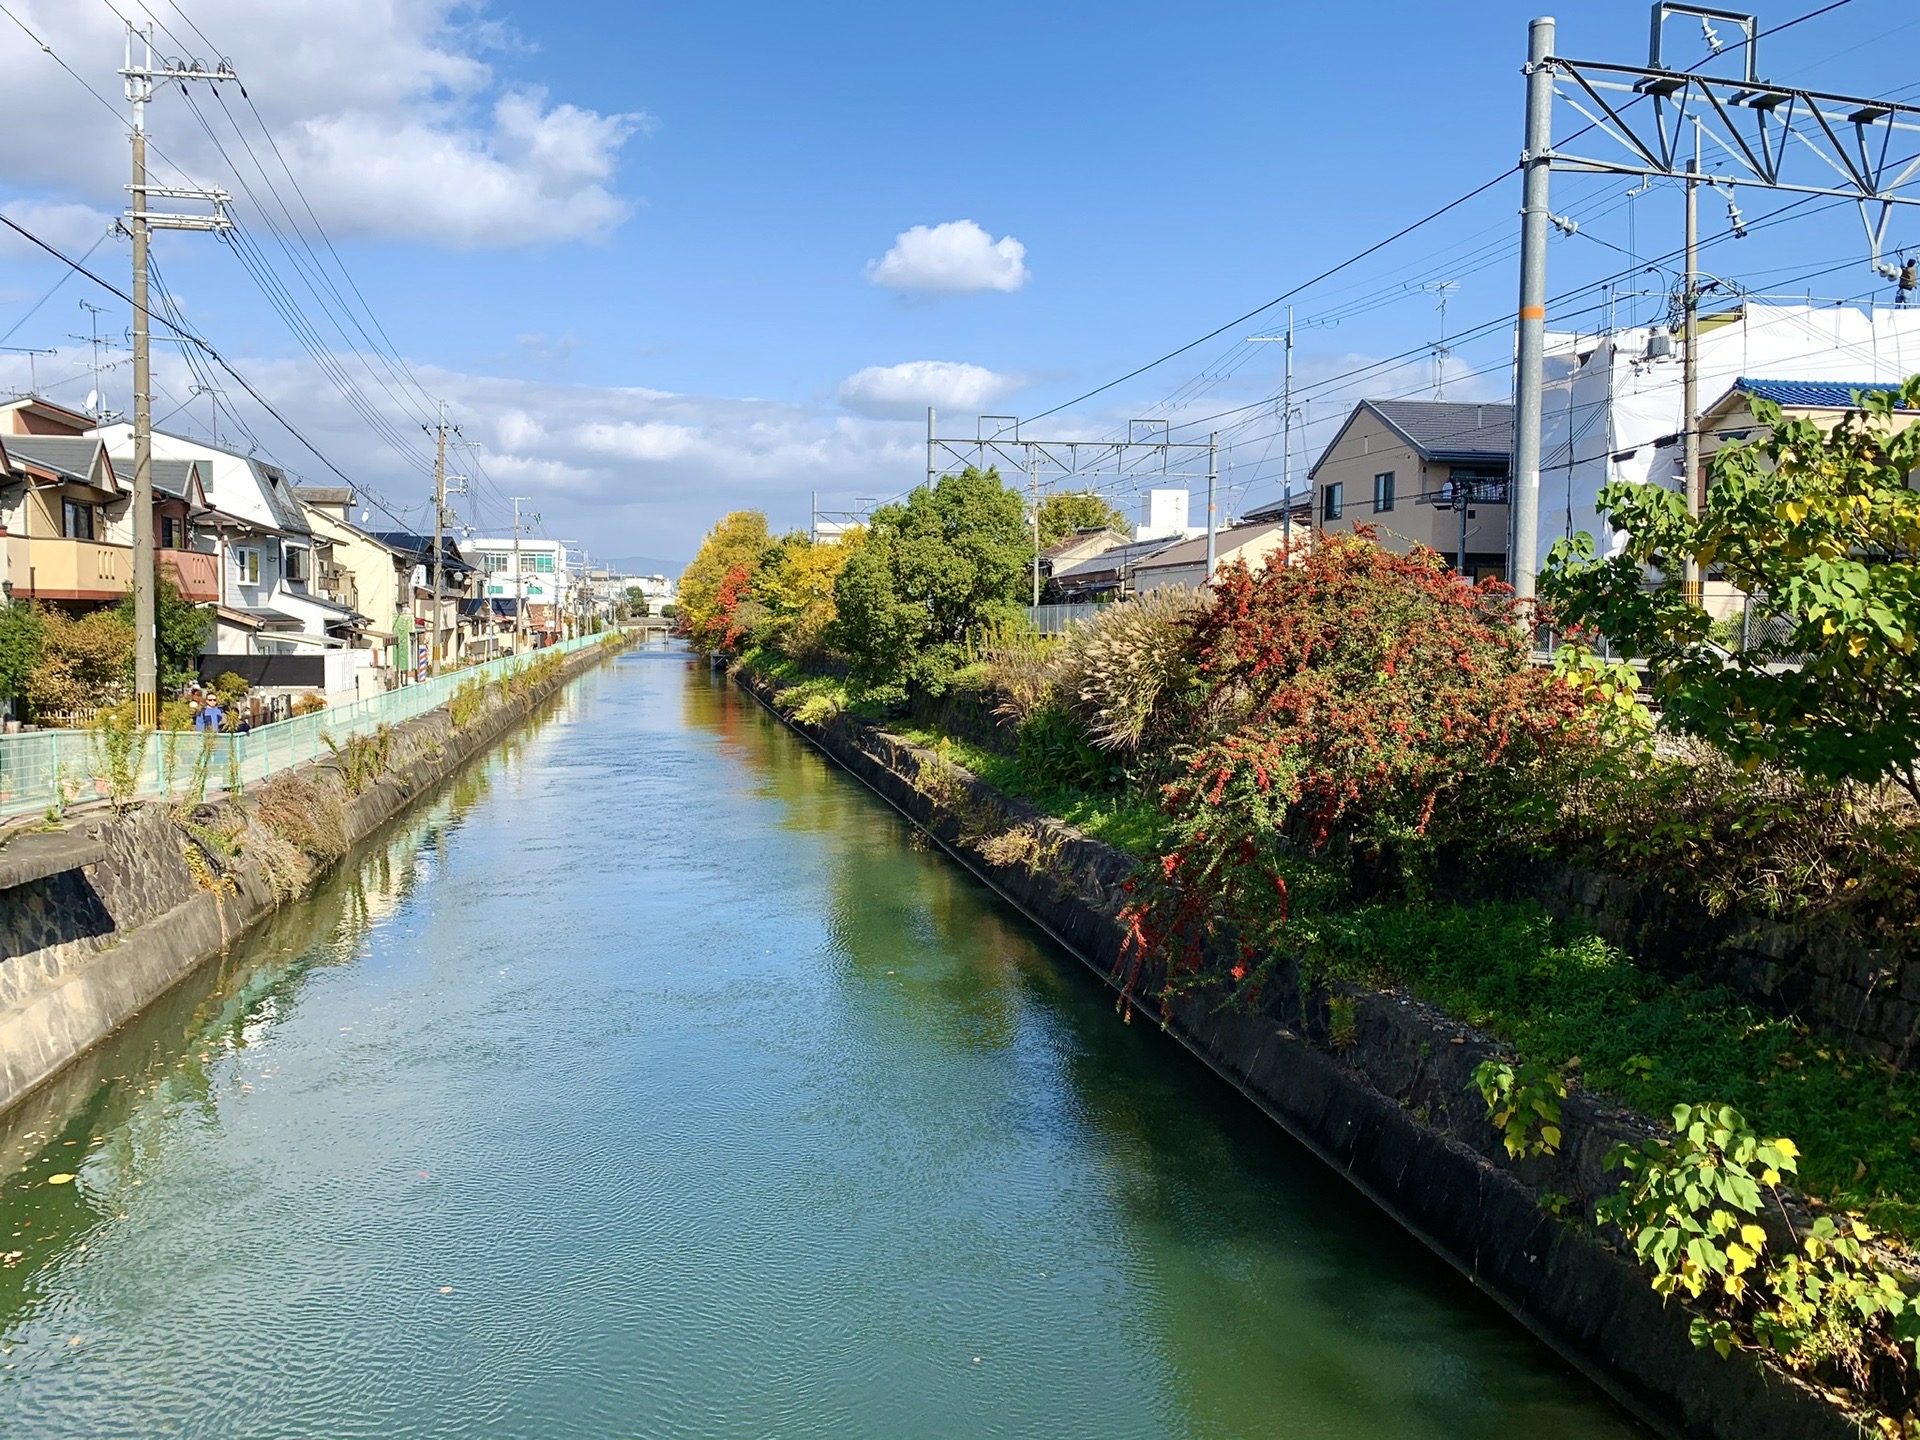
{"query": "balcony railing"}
pixel 195 572
pixel 74 570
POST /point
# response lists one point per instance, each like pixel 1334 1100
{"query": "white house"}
pixel 269 605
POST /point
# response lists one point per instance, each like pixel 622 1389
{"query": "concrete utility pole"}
pixel 1286 426
pixel 1690 381
pixel 1213 479
pixel 1523 538
pixel 142 221
pixel 439 535
pixel 1033 488
pixel 519 586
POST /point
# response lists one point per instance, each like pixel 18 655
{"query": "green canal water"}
pixel 655 1082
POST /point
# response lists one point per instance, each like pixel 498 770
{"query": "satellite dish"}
pixel 93 400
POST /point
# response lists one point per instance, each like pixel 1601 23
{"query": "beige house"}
pixel 1184 564
pixel 1422 472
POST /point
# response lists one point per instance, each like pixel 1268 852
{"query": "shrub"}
pixel 1013 666
pixel 1368 695
pixel 311 703
pixel 1057 753
pixel 119 748
pixel 229 689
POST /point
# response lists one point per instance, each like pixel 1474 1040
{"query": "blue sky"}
pixel 634 244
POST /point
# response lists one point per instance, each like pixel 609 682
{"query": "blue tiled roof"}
pixel 1811 394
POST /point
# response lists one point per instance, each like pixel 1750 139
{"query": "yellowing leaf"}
pixel 60 1179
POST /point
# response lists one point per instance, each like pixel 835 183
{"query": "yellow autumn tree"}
pixel 795 586
pixel 713 585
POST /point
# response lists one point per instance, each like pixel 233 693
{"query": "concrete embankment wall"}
pixel 1392 1107
pixel 102 916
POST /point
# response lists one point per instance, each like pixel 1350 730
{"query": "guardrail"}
pixel 42 769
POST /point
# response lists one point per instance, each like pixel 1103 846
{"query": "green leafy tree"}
pixel 22 645
pixel 636 600
pixel 795 586
pixel 180 631
pixel 932 571
pixel 1824 526
pixel 1069 510
pixel 85 663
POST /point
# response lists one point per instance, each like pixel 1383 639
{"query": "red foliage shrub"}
pixel 1359 699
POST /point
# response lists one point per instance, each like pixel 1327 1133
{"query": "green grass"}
pixel 1124 819
pixel 1559 995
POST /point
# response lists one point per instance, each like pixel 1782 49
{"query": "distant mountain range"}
pixel 641 565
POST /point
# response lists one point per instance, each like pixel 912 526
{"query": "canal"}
pixel 656 1081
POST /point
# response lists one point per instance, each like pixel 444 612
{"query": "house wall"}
pixel 1370 447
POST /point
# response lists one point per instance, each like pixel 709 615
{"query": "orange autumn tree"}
pixel 712 587
pixel 1355 707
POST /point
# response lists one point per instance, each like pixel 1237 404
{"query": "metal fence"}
pixel 43 769
pixel 1058 619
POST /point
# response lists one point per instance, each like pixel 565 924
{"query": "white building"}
pixel 534 574
pixel 1612 405
pixel 1167 517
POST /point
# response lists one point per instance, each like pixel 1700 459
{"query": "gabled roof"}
pixel 1119 558
pixel 288 512
pixel 1194 551
pixel 324 494
pixel 81 458
pixel 1809 394
pixel 1452 432
pixel 36 415
pixel 1277 510
pixel 181 479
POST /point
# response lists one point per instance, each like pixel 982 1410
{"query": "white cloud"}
pixel 957 258
pixel 70 227
pixel 902 391
pixel 390 113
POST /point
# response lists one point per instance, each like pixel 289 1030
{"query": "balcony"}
pixel 196 573
pixel 72 570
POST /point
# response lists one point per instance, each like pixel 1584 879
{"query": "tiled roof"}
pixel 1807 394
pixel 1194 551
pixel 71 455
pixel 1447 429
pixel 1115 559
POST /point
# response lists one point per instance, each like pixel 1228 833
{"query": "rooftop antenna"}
pixel 99 366
pixel 33 378
pixel 1441 354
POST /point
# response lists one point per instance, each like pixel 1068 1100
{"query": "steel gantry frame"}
pixel 1149 453
pixel 1764 136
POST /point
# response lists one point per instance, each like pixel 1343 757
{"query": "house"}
pixel 1184 564
pixel 273 625
pixel 532 573
pixel 1613 403
pixel 415 556
pixel 1106 575
pixel 1825 402
pixel 1421 472
pixel 65 512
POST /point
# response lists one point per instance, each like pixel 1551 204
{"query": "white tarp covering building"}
pixel 1612 403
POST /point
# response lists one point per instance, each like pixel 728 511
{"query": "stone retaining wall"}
pixel 1394 1111
pixel 82 950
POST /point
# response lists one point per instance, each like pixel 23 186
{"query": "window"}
pixel 1330 502
pixel 542 563
pixel 1383 492
pixel 492 562
pixel 76 520
pixel 246 565
pixel 173 534
pixel 296 565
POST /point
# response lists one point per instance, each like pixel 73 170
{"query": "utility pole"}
pixel 1286 443
pixel 519 585
pixel 1523 539
pixel 1213 477
pixel 1690 382
pixel 139 89
pixel 439 534
pixel 1033 487
pixel 930 444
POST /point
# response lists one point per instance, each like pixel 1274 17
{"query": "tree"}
pixel 22 640
pixel 84 663
pixel 1822 530
pixel 636 600
pixel 931 572
pixel 706 598
pixel 1066 511
pixel 795 584
pixel 180 630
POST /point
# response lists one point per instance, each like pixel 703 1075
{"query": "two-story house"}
pixel 1422 472
pixel 533 577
